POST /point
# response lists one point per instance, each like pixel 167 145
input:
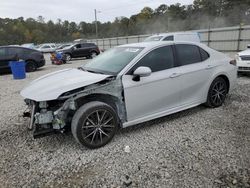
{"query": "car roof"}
pixel 154 44
pixel 174 33
pixel 23 47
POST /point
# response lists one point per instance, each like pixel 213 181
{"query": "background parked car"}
pixel 47 48
pixel 88 50
pixel 29 45
pixel 243 60
pixel 33 58
pixel 180 36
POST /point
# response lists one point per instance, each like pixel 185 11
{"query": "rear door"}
pixel 77 50
pixel 196 70
pixel 85 48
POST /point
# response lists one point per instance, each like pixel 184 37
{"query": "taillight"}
pixel 233 62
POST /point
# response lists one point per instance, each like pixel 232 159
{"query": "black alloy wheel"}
pixel 217 92
pixel 94 124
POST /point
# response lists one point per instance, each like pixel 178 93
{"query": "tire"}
pixel 93 54
pixel 68 57
pixel 217 93
pixel 31 66
pixel 91 132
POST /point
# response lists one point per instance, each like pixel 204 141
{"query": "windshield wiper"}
pixel 83 69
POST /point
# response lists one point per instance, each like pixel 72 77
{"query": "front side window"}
pixel 169 38
pixel 113 60
pixel 157 60
pixel 188 54
pixel 2 52
pixel 46 46
pixel 78 46
pixel 15 51
pixel 153 38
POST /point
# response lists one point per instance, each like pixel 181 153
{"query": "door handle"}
pixel 210 66
pixel 174 75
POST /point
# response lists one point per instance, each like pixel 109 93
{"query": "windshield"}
pixel 113 61
pixel 153 38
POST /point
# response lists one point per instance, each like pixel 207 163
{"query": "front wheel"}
pixel 217 93
pixel 94 124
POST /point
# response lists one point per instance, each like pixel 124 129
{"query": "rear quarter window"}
pixel 188 54
pixel 204 54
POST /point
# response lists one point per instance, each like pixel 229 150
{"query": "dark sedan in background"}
pixel 33 58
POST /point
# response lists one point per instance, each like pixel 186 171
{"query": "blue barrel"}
pixel 18 69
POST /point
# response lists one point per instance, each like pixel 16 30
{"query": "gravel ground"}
pixel 200 147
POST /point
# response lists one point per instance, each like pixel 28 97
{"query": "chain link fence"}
pixel 227 39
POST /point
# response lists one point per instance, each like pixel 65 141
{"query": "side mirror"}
pixel 141 72
pixel 74 48
pixel 248 46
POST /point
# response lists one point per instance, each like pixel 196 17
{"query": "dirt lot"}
pixel 200 147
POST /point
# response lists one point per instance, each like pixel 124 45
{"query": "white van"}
pixel 180 36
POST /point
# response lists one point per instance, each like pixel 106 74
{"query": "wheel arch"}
pixel 111 100
pixel 226 79
pixel 31 61
pixel 222 75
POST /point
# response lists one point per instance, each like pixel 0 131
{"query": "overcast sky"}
pixel 78 10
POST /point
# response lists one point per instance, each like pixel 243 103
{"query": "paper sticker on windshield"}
pixel 132 50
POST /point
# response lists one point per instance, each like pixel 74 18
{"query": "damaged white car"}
pixel 128 85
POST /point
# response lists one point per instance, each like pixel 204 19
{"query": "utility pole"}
pixel 96 28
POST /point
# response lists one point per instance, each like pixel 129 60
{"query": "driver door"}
pixel 154 94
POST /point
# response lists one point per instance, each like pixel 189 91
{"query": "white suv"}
pixel 180 36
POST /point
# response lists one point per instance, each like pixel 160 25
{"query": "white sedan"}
pixel 243 60
pixel 127 85
pixel 47 48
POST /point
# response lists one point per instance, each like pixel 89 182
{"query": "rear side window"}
pixel 204 54
pixel 21 52
pixel 157 60
pixel 169 38
pixel 188 54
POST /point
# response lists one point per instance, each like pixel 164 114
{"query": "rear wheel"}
pixel 30 66
pixel 94 124
pixel 68 57
pixel 217 93
pixel 93 54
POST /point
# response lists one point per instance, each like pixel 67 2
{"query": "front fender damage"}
pixel 48 119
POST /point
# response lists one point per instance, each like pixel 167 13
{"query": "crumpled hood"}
pixel 51 86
